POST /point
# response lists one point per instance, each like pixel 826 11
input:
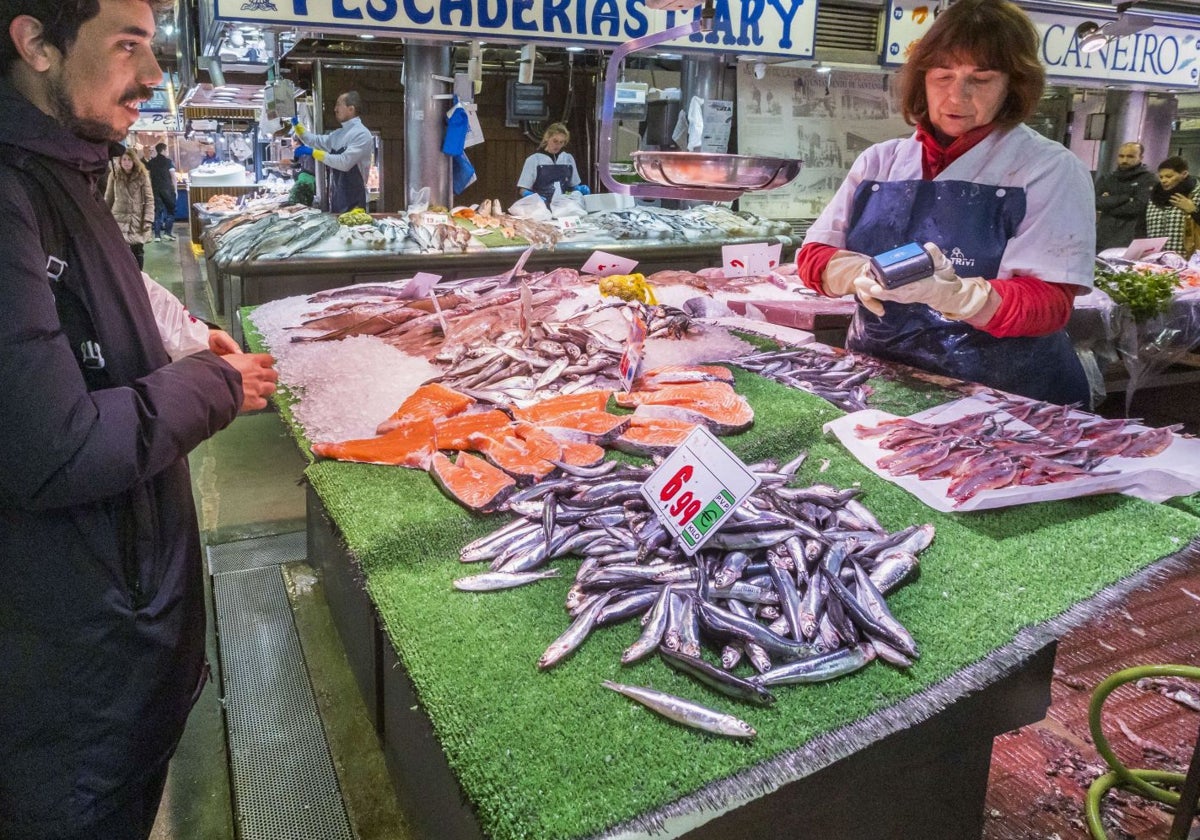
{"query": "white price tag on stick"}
pixel 754 260
pixel 419 286
pixel 696 488
pixel 605 265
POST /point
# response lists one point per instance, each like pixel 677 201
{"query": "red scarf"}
pixel 935 157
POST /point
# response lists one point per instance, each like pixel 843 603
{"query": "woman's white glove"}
pixel 956 298
pixel 840 273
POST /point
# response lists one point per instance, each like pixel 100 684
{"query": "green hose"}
pixel 1150 783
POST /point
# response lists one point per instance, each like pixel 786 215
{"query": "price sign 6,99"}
pixel 696 487
pixel 683 505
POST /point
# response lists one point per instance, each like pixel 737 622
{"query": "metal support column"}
pixel 425 120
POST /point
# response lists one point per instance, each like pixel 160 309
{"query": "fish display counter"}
pixel 392 246
pixel 440 443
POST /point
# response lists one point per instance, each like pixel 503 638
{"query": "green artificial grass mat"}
pixel 555 755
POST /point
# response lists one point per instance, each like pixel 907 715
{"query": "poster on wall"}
pixel 824 120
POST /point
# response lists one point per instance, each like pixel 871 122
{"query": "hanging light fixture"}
pixel 1090 36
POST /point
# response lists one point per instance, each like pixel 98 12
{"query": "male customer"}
pixel 102 605
pixel 346 151
pixel 1121 198
pixel 162 180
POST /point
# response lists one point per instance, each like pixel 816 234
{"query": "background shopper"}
pixel 1121 199
pixel 131 199
pixel 162 179
pixel 1174 208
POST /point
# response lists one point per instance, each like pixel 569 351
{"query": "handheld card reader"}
pixel 901 266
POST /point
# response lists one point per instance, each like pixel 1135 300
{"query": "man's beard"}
pixel 85 127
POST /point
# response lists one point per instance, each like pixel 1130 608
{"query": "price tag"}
pixel 754 260
pixel 520 264
pixel 419 285
pixel 604 265
pixel 696 487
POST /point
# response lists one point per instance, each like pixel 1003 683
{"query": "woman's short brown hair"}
pixel 994 34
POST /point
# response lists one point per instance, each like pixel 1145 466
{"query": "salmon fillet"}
pixel 407 446
pixel 524 451
pixel 679 374
pixel 587 426
pixel 428 402
pixel 454 432
pixel 547 409
pixel 715 404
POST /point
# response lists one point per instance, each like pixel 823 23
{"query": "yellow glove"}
pixel 956 298
pixel 298 128
pixel 318 155
pixel 841 271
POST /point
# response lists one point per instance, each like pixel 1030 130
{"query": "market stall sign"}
pixel 1165 56
pixel 697 487
pixel 754 27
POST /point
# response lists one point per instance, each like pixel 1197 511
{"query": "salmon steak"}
pixel 715 404
pixel 408 446
pixel 650 436
pixel 523 451
pixel 428 402
pixel 471 481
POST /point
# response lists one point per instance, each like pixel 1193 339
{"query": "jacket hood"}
pixel 26 127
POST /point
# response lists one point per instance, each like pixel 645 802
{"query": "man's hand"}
pixel 297 126
pixel 258 377
pixel 222 343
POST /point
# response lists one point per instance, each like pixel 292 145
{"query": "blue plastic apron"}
pixel 972 224
pixel 346 189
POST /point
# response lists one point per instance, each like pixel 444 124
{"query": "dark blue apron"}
pixel 972 224
pixel 549 174
pixel 346 189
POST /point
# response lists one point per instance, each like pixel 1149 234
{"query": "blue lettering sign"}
pixel 554 13
pixel 385 11
pixel 519 20
pixel 340 11
pixel 1051 32
pixel 487 20
pixel 449 7
pixel 604 14
pixel 786 16
pixel 636 24
pixel 751 12
pixel 417 15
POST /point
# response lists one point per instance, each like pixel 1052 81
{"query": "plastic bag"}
pixel 530 207
pixel 418 199
pixel 567 205
pixel 182 335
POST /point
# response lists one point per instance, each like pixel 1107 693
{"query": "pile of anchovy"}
pixel 839 379
pixel 793 583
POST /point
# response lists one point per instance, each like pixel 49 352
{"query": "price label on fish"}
pixel 697 487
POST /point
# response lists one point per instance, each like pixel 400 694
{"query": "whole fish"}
pixel 491 581
pixel 684 711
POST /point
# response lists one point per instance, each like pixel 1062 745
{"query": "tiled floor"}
pixel 248 483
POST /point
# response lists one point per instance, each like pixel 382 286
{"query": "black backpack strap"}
pixel 73 314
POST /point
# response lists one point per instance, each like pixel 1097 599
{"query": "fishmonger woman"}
pixel 1008 215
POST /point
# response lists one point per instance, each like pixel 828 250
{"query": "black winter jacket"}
pixel 1122 212
pixel 101 596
